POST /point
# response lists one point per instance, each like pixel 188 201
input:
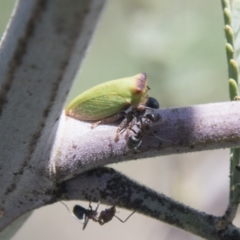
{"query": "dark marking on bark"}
pixel 42 6
pixel 11 187
pixel 20 52
pixel 55 85
pixel 14 65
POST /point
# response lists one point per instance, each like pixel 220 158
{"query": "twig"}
pixel 113 188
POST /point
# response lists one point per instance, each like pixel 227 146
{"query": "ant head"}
pixel 151 117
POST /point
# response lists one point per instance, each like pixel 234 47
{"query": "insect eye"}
pixel 152 117
pixel 149 116
pixel 152 103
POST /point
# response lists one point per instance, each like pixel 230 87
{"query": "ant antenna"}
pixel 65 206
pixel 68 209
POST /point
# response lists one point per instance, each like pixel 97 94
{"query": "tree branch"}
pixel 203 127
pixel 111 187
pixel 40 55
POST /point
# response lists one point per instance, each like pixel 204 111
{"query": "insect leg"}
pixel 97 206
pixel 110 119
pixel 123 221
pixel 91 214
pixel 128 116
pixel 85 223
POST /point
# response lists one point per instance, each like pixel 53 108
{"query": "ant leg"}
pixel 120 128
pixel 123 221
pixel 110 119
pixel 97 206
pixel 128 117
pixel 129 128
pixel 85 223
pixel 91 215
pixel 96 124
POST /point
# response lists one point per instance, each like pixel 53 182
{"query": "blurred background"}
pixel 180 45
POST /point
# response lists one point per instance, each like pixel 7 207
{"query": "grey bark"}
pixel 40 54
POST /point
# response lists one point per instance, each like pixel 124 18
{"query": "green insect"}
pixel 107 102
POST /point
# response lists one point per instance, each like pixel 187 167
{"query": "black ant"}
pixel 143 123
pixel 103 217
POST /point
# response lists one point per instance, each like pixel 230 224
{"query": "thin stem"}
pixel 233 74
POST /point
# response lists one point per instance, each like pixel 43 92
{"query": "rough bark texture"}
pixel 189 129
pixel 40 54
pixel 111 187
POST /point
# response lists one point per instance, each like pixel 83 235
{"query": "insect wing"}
pixel 100 107
pixel 109 98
